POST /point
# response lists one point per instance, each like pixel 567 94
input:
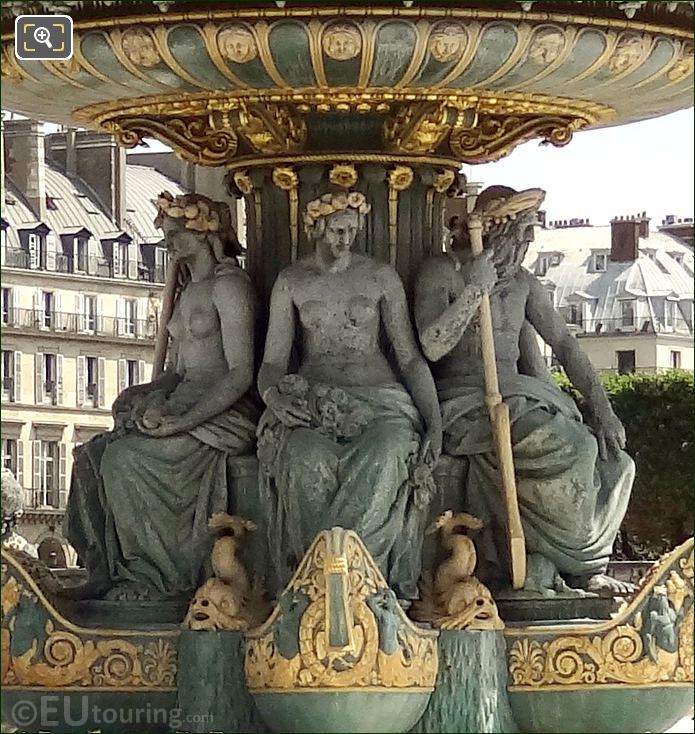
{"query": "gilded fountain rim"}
pixel 367 11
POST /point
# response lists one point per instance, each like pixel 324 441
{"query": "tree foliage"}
pixel 658 414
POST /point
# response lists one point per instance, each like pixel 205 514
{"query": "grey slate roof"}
pixel 75 207
pixel 663 269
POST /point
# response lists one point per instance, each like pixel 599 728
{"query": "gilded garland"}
pixel 650 641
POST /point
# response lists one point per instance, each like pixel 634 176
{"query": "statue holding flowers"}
pixel 348 436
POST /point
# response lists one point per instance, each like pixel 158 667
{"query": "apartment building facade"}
pixel 625 290
pixel 82 274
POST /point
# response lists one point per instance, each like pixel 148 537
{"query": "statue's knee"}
pixel 306 446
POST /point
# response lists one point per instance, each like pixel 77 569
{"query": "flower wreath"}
pixel 198 214
pixel 331 203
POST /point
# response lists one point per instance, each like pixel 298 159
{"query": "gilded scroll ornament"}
pixel 342 41
pixel 193 139
pixel 271 128
pixel 338 625
pixel 50 652
pixel 447 42
pixel 497 135
pixel 418 127
pixel 650 640
pixel 237 44
pixel 139 48
pixel 343 175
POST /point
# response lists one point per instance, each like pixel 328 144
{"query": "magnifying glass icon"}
pixel 42 35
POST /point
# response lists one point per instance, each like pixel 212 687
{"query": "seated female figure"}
pixel 341 438
pixel 142 494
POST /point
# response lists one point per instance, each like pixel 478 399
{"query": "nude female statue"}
pixel 141 495
pixel 342 437
pixel 573 481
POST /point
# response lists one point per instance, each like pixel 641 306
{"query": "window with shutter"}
pixel 8 371
pixel 81 378
pixel 38 378
pixel 91 380
pixel 9 454
pixel 7 310
pixel 17 387
pixel 122 375
pixel 59 380
pixel 101 391
pixel 19 474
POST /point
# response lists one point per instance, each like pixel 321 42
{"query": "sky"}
pixel 645 166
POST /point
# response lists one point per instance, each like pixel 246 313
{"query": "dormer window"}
pixel 669 314
pixel 542 265
pixel 575 314
pixel 600 262
pixel 627 314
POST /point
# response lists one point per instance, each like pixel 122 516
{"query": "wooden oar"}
pixel 168 301
pixel 499 419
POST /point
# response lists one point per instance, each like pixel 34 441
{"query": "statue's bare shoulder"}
pixel 232 285
pixel 436 269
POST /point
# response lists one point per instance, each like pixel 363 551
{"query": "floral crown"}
pixel 330 203
pixel 198 214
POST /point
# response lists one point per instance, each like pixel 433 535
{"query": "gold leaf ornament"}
pixel 285 178
pixel 242 180
pixel 343 175
pixel 443 181
pixel 401 177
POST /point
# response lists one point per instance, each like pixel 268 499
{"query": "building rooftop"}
pixel 575 261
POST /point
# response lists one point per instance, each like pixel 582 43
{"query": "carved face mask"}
pixel 215 606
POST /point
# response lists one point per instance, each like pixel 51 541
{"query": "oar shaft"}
pixel 500 422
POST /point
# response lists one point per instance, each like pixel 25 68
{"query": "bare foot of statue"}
pixel 603 585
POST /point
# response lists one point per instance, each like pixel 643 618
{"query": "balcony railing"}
pixel 601 327
pixel 98 267
pixel 75 323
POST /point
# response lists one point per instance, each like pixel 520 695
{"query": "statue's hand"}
pixel 481 271
pixel 150 414
pixel 168 425
pixel 123 405
pixel 609 431
pixel 289 410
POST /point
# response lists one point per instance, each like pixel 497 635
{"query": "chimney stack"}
pixel 644 225
pixel 541 218
pixel 97 160
pixel 26 165
pixel 625 239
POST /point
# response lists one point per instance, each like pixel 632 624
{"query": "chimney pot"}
pixel 625 240
pixel 24 140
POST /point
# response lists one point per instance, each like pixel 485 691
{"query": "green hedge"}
pixel 658 415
